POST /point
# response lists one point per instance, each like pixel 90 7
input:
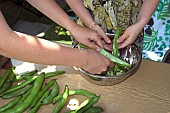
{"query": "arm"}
pixel 130 34
pixel 52 10
pixel 32 49
pixel 146 12
pixel 81 11
pixel 85 16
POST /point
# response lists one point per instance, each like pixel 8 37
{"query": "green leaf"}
pixel 150 41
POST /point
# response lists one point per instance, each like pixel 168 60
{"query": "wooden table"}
pixel 147 91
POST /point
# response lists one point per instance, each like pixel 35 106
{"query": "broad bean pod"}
pixel 10 104
pixel 25 75
pixel 62 101
pixel 16 94
pixel 38 104
pixel 5 76
pixel 9 84
pixel 94 110
pixel 20 108
pixel 75 92
pixel 52 95
pixel 55 73
pixel 40 94
pixel 113 58
pixel 115 48
pixel 91 102
pixel 23 84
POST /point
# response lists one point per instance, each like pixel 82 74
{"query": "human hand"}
pixel 90 38
pixel 129 36
pixel 105 39
pixel 95 62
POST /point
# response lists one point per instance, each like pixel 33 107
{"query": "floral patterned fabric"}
pixel 110 14
pixel 157 33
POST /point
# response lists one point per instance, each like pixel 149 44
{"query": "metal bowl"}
pixel 131 54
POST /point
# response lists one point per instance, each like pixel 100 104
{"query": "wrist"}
pixel 141 22
pixel 81 58
pixel 72 27
pixel 140 25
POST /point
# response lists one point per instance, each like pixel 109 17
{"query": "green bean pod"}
pixel 57 98
pixel 40 94
pixel 75 92
pixel 38 104
pixel 86 106
pixel 23 84
pixel 113 58
pixel 115 48
pixel 115 44
pixel 5 76
pixel 91 102
pixel 49 74
pixel 55 73
pixel 71 111
pixel 83 104
pixel 94 110
pixel 5 88
pixel 9 84
pixel 16 94
pixel 12 76
pixel 52 95
pixel 62 101
pixel 25 75
pixel 20 108
pixel 81 92
pixel 24 96
pixel 10 104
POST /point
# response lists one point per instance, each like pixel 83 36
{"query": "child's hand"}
pixel 129 36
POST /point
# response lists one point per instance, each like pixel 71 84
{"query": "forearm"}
pixel 52 10
pixel 78 7
pixel 28 48
pixel 146 11
pixel 32 49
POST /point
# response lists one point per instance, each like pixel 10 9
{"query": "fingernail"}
pixel 109 41
pixel 98 49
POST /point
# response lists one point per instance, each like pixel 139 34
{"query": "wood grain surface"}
pixel 147 91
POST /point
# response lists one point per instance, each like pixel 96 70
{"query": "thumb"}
pixel 122 38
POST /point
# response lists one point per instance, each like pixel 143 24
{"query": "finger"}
pixel 92 45
pixel 98 41
pixel 107 46
pixel 124 44
pixel 106 38
pixel 122 38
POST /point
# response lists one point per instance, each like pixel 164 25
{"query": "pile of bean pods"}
pixel 31 94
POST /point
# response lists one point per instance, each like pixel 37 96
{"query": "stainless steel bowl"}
pixel 131 54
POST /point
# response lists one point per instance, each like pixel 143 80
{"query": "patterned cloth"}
pixel 157 33
pixel 110 14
